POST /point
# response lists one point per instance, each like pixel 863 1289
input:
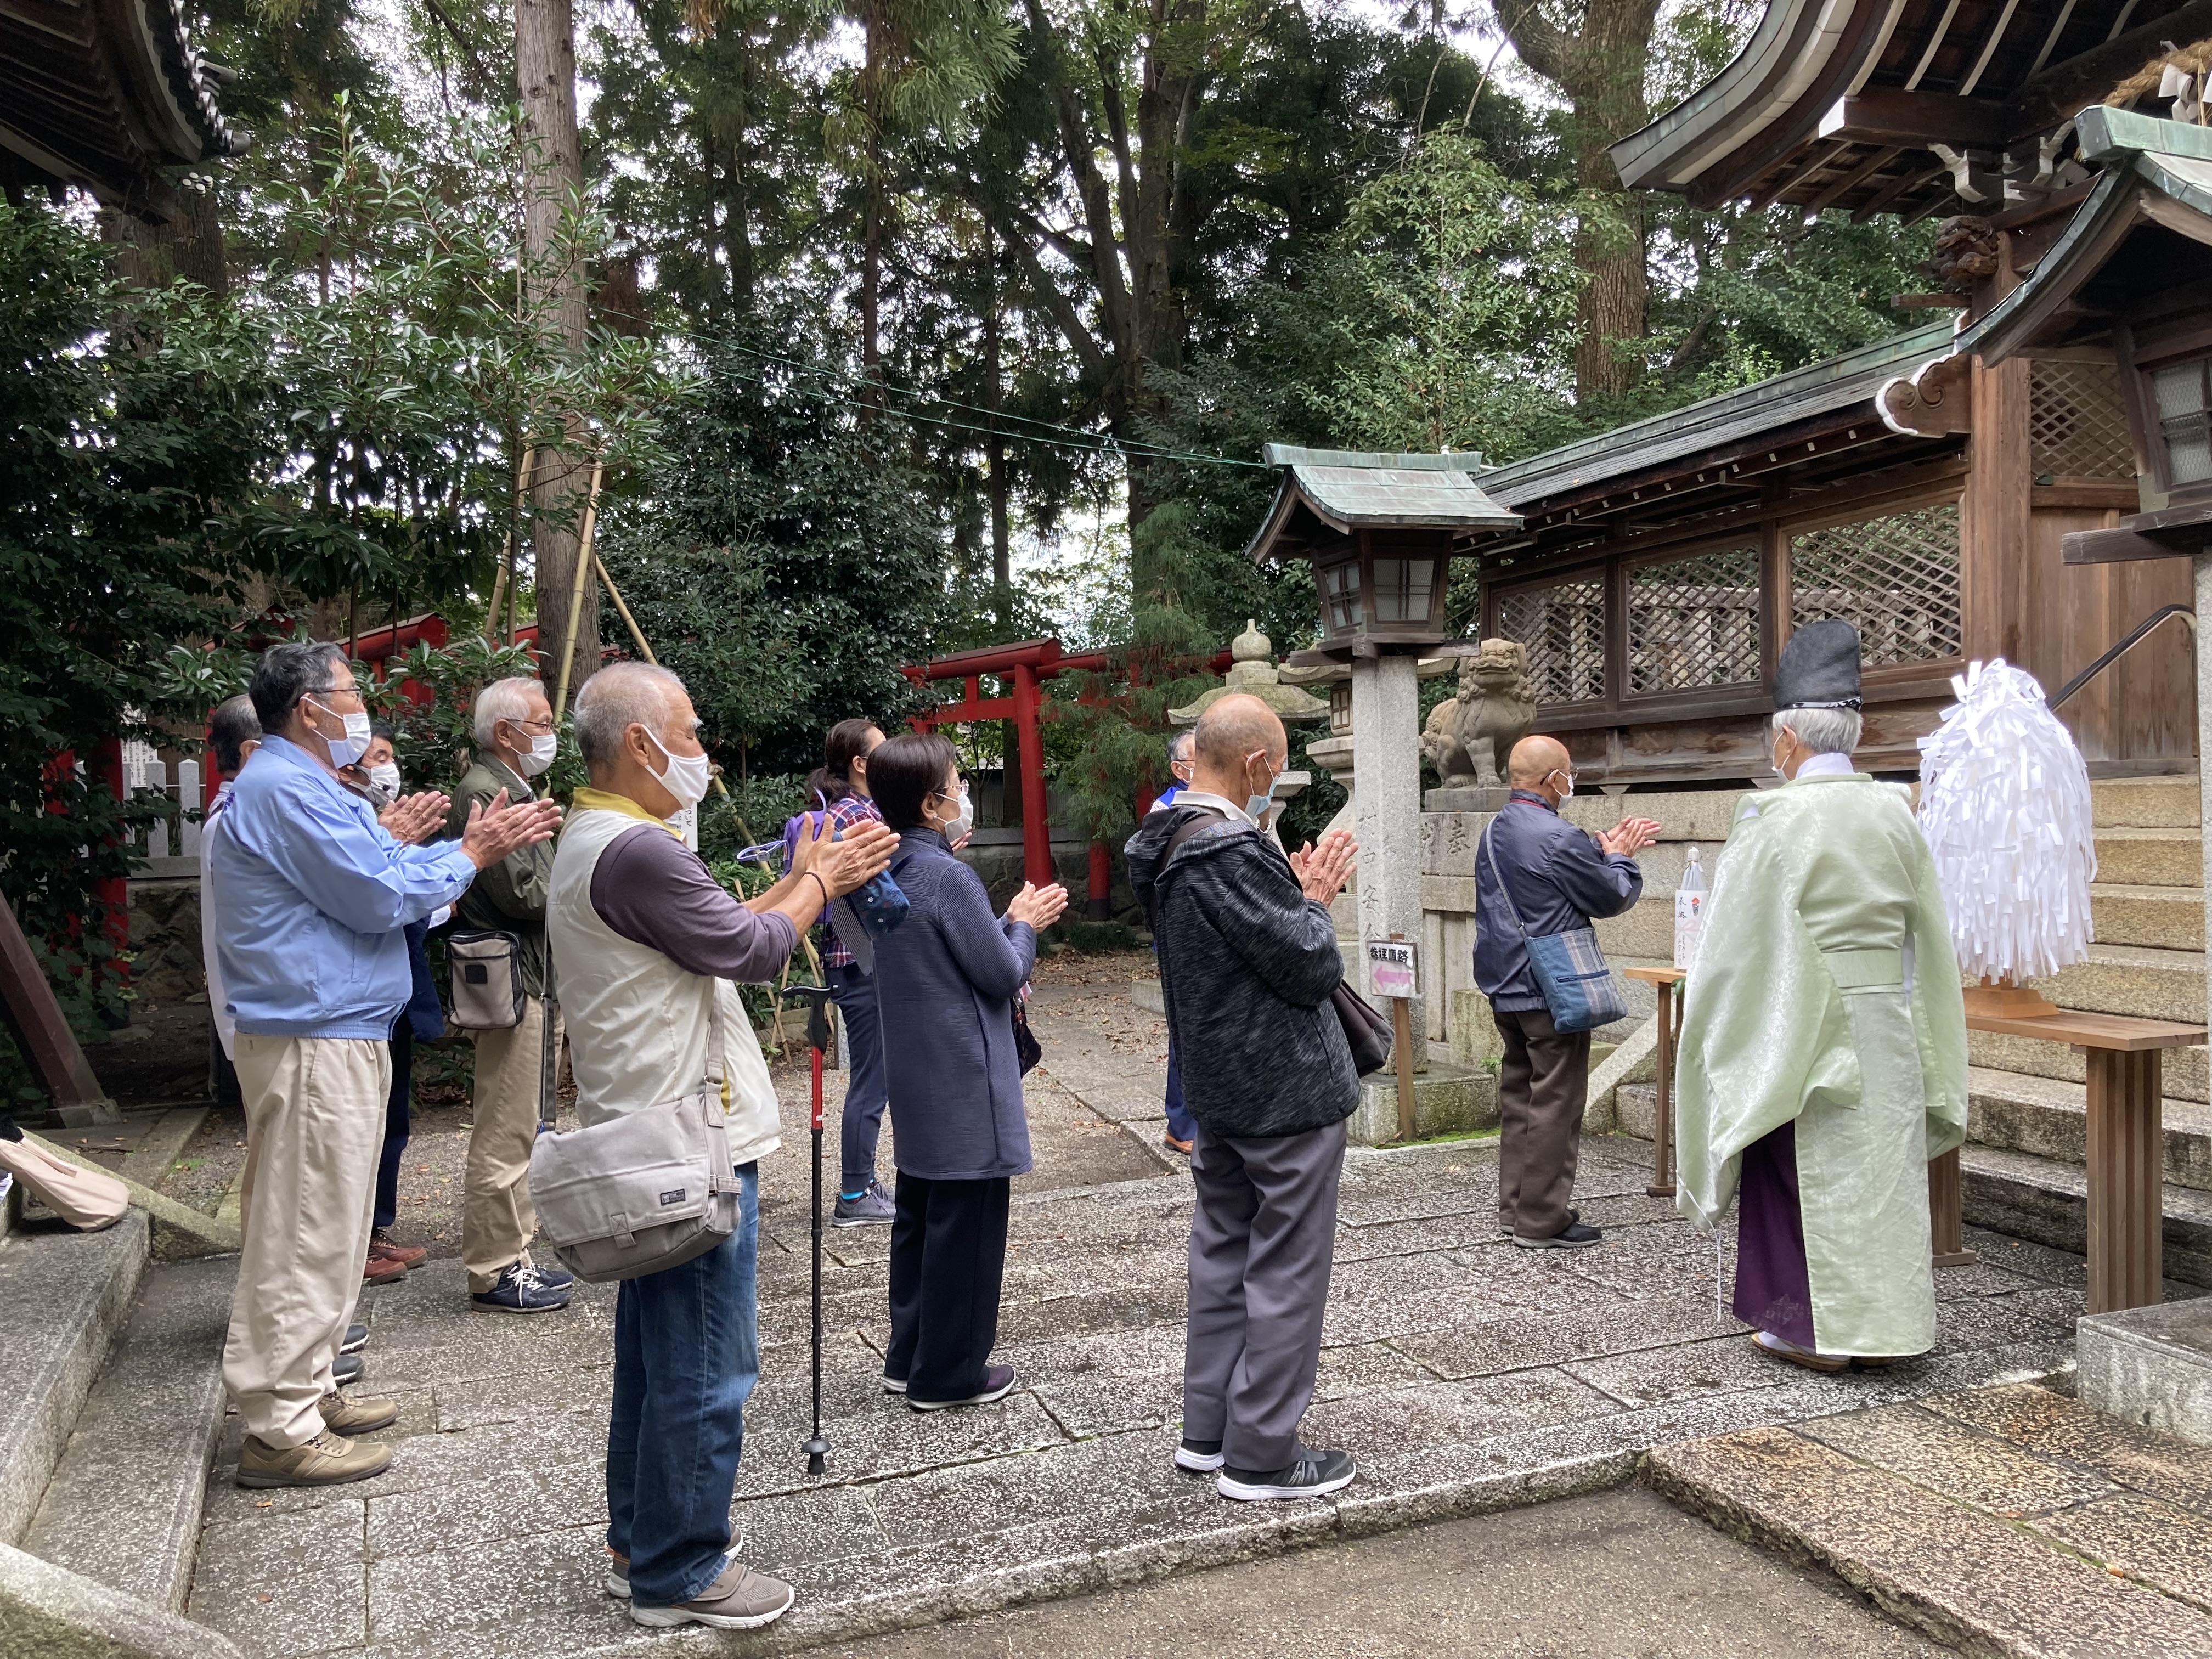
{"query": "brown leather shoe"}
pixel 326 1461
pixel 409 1256
pixel 344 1415
pixel 382 1270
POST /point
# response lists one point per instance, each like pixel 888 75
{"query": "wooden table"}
pixel 2127 1142
pixel 1670 1035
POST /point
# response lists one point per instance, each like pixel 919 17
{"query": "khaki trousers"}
pixel 314 1119
pixel 497 1217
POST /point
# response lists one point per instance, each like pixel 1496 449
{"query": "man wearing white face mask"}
pixel 310 935
pixel 1557 878
pixel 515 743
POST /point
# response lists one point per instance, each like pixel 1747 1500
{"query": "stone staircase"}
pixel 2022 1167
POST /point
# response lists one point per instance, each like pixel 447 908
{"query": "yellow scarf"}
pixel 589 800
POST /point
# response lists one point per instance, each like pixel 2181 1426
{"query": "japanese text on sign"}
pixel 1390 971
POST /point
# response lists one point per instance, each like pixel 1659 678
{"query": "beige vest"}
pixel 639 1027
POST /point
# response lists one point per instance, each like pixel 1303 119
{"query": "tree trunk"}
pixel 872 208
pixel 1599 65
pixel 995 446
pixel 190 246
pixel 738 229
pixel 545 67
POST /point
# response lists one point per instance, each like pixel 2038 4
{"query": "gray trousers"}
pixel 1543 1077
pixel 1262 1237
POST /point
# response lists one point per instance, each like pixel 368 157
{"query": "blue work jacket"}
pixel 1561 879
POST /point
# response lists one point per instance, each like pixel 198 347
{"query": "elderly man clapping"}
pixel 311 897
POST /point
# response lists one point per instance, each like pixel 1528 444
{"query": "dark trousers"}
pixel 687 1354
pixel 1262 1240
pixel 866 1090
pixel 1180 1124
pixel 395 1123
pixel 948 1264
pixel 1542 1081
pixel 222 1076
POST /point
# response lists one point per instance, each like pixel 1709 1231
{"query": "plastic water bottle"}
pixel 1689 912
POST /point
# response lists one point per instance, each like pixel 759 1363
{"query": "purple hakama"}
pixel 1773 1291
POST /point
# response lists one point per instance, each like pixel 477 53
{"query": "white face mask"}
pixel 1568 793
pixel 688 777
pixel 1262 807
pixel 542 752
pixel 387 778
pixel 964 822
pixel 345 751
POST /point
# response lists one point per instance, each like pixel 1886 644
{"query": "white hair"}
pixel 1823 731
pixel 503 700
pixel 1180 746
pixel 620 696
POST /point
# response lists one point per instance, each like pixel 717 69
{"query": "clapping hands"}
pixel 1040 906
pixel 413 819
pixel 497 827
pixel 1322 870
pixel 1629 836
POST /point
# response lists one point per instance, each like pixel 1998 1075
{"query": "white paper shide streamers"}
pixel 2004 802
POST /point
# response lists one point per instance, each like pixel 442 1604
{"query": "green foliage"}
pixel 782 564
pixel 127 431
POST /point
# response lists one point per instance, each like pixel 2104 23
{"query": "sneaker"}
pixel 409 1256
pixel 328 1459
pixel 550 1279
pixel 894 1384
pixel 357 1338
pixel 740 1599
pixel 382 1269
pixel 345 1370
pixel 1506 1227
pixel 1199 1456
pixel 362 1415
pixel 874 1206
pixel 997 1384
pixel 1311 1475
pixel 617 1582
pixel 519 1292
pixel 1572 1237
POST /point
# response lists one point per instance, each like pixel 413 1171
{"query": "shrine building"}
pixel 2024 475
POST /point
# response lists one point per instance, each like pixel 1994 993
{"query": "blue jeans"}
pixel 866 1089
pixel 1180 1124
pixel 395 1123
pixel 687 1350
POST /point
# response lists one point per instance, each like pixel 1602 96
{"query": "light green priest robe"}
pixel 1825 992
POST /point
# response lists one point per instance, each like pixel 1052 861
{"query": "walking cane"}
pixel 816 999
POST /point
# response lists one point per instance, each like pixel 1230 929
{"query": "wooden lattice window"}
pixel 1894 578
pixel 1694 621
pixel 1563 626
pixel 2182 396
pixel 2077 426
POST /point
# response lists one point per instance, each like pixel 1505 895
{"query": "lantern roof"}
pixel 1327 494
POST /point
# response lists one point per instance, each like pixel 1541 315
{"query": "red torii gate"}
pixel 1030 663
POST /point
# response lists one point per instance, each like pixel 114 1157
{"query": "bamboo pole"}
pixel 585 560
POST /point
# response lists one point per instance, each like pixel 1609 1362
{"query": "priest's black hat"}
pixel 1819 668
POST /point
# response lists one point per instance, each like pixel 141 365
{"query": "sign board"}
pixel 1390 970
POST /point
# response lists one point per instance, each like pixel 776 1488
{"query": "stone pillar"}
pixel 1386 714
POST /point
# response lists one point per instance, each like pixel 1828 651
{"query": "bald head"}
pixel 1534 761
pixel 1240 746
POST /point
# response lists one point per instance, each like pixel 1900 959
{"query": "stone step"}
pixel 1448 1099
pixel 2047 1117
pixel 2164 918
pixel 2151 1366
pixel 2130 978
pixel 124 1505
pixel 2009 1522
pixel 62 1297
pixel 2151 858
pixel 2046 1201
pixel 2173 803
pixel 2183 1070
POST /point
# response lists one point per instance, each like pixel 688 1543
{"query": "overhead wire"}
pixel 866 393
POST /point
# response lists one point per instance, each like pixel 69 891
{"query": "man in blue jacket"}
pixel 312 899
pixel 1559 877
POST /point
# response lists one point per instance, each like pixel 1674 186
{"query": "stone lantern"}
pixel 1381 532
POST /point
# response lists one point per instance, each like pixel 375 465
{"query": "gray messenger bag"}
pixel 643 1191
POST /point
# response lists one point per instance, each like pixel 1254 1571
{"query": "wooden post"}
pixel 43 1033
pixel 1946 1226
pixel 1036 827
pixel 1662 1126
pixel 1401 1025
pixel 2126 1165
pixel 1098 900
pixel 584 561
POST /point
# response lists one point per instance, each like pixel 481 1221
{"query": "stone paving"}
pixel 1466 1374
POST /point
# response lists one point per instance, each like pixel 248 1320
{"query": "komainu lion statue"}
pixel 1469 737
